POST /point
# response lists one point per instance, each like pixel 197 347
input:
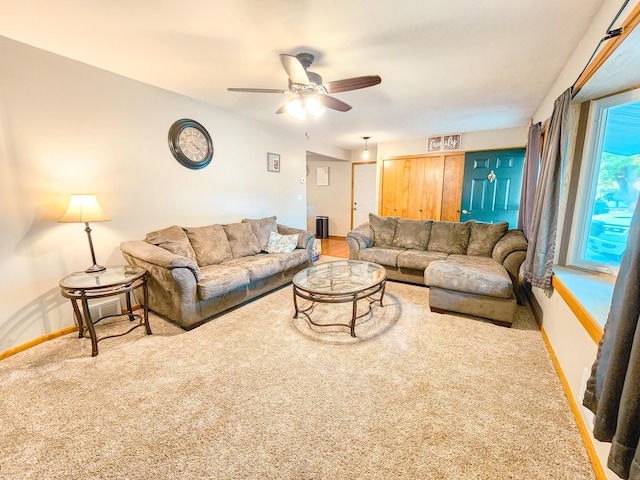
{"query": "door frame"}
pixel 353 166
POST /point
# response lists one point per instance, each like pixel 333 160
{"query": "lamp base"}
pixel 95 269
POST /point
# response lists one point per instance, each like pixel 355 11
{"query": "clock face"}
pixel 190 144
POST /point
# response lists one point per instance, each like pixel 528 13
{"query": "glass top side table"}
pixel 114 281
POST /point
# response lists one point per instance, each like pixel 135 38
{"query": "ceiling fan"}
pixel 307 90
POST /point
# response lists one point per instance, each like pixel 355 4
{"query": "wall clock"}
pixel 190 143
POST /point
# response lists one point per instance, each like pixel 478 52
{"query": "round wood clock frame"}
pixel 190 144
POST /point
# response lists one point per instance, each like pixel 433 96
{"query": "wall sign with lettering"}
pixel 322 176
pixel 444 143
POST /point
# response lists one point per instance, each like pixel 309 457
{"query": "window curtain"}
pixel 529 178
pixel 613 389
pixel 537 267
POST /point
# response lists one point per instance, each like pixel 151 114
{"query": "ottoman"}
pixel 477 286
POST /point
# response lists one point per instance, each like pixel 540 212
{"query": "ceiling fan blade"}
pixel 333 103
pixel 258 90
pixel 282 109
pixel 348 84
pixel 295 70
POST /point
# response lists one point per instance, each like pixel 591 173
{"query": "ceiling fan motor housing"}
pixel 306 59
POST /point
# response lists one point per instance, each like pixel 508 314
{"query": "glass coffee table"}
pixel 340 281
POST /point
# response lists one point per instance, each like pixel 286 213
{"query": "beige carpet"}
pixel 256 394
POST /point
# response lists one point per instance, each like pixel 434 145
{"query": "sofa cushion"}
pixel 387 256
pixel 449 237
pixel 216 280
pixel 463 273
pixel 210 244
pixel 259 266
pixel 282 243
pixel 419 259
pixel 412 233
pixel 262 228
pixel 294 259
pixel 384 228
pixel 173 239
pixel 484 237
pixel 242 239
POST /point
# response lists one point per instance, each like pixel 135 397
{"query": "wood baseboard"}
pixel 49 336
pixel 36 341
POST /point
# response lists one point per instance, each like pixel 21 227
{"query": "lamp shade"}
pixel 84 208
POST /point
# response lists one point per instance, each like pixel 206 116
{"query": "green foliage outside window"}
pixel 617 182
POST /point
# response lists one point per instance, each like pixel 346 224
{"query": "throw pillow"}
pixel 282 243
pixel 263 228
pixel 449 237
pixel 384 228
pixel 413 234
pixel 243 241
pixel 173 239
pixel 484 237
pixel 210 244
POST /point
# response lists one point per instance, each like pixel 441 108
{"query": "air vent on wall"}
pixel 103 309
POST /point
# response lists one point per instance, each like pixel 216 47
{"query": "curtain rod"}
pixel 609 35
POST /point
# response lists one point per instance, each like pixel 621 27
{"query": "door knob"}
pixel 466 212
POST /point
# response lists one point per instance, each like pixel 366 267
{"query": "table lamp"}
pixel 85 208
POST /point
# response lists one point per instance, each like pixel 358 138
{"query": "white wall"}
pixel 333 200
pixel 471 141
pixel 66 127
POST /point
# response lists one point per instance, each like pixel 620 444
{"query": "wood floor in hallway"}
pixel 335 247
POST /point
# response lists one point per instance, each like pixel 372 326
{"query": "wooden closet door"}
pixel 432 184
pixel 427 187
pixel 395 188
pixel 416 188
pixel 452 187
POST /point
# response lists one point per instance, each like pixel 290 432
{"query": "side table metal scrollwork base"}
pixel 113 281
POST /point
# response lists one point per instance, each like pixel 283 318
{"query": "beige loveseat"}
pixel 196 273
pixel 470 267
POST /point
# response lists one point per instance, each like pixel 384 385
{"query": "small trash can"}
pixel 322 227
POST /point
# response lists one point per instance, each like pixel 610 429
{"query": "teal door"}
pixel 491 186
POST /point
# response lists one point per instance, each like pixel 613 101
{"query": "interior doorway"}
pixel 363 192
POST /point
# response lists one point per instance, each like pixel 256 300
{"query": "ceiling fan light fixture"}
pixel 299 108
pixel 296 109
pixel 314 107
pixel 365 152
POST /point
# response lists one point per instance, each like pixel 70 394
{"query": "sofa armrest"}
pixel 140 253
pixel 512 266
pixel 305 240
pixel 510 252
pixel 513 241
pixel 358 239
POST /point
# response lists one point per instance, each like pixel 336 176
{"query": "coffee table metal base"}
pixel 315 298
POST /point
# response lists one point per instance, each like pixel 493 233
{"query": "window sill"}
pixel 588 295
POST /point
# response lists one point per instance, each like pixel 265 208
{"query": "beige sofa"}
pixel 196 273
pixel 470 267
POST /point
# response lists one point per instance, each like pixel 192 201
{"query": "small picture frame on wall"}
pixel 273 162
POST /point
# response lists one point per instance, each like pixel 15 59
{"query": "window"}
pixel 610 182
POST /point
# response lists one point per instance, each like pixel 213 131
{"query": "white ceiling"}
pixel 446 66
